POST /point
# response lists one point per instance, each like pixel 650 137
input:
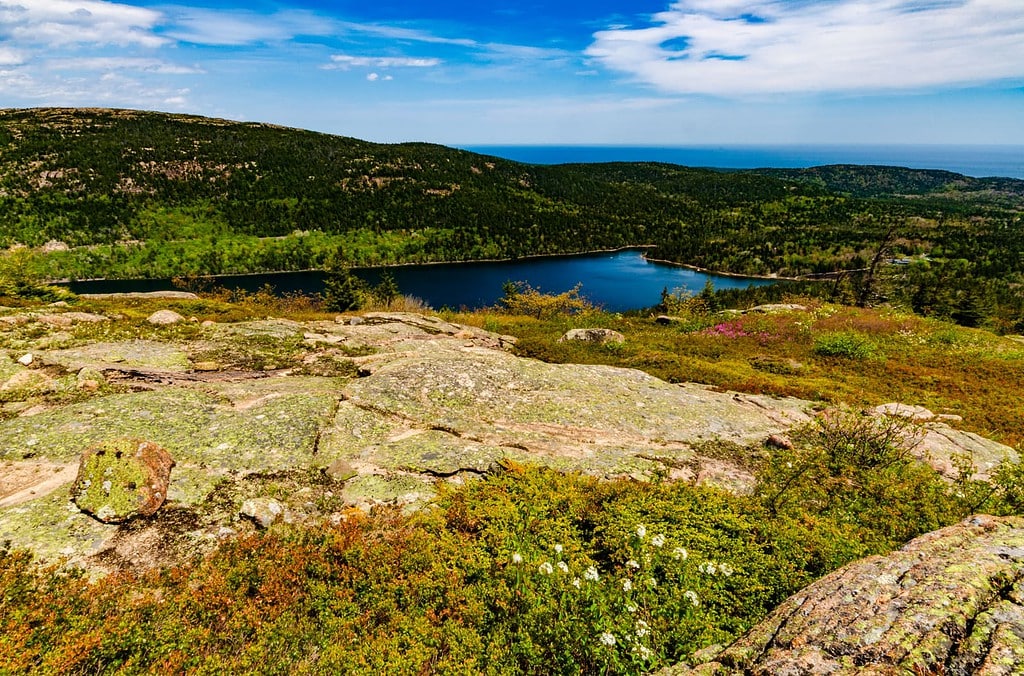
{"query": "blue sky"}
pixel 642 72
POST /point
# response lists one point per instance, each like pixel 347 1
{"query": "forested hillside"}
pixel 102 193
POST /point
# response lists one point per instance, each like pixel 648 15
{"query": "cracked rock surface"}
pixel 393 402
pixel 949 602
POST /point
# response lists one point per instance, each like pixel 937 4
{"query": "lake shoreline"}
pixel 735 275
pixel 592 252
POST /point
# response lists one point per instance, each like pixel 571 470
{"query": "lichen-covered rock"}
pixel 448 411
pixel 165 317
pixel 600 336
pixel 121 479
pixel 129 354
pixel 949 602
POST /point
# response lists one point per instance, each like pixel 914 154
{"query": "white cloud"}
pixel 68 22
pixel 401 33
pixel 11 57
pixel 346 61
pixel 372 77
pixel 498 50
pixel 239 27
pixel 111 89
pixel 737 47
pixel 146 65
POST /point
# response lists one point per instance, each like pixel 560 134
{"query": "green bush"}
pixel 846 344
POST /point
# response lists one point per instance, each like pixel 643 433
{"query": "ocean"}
pixel 977 161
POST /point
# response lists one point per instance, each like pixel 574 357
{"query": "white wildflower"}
pixel 641 531
pixel 608 639
pixel 563 566
pixel 680 554
pixel 632 564
pixel 658 540
pixel 546 568
pixel 591 574
pixel 517 558
pixel 642 629
pixel 692 597
pixel 558 549
pixel 643 652
pixel 627 585
pixel 576 582
pixel 651 582
pixel 630 608
pixel 725 569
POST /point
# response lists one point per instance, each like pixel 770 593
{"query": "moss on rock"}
pixel 122 478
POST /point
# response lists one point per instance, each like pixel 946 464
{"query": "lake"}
pixel 618 281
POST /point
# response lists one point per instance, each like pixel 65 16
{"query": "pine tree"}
pixel 343 291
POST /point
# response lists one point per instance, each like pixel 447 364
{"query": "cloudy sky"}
pixel 518 72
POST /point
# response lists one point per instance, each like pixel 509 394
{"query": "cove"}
pixel 618 281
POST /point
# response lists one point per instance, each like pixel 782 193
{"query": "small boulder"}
pixel 26 359
pixel 264 512
pixel 121 479
pixel 165 317
pixel 600 336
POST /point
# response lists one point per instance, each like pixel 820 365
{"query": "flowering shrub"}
pixel 527 571
pixel 734 330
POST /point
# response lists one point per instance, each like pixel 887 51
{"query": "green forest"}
pixel 88 193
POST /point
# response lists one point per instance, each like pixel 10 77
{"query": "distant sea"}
pixel 978 161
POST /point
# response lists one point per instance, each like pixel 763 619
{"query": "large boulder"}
pixel 949 602
pixel 600 336
pixel 121 479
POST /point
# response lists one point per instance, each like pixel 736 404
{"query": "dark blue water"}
pixel 617 281
pixel 978 161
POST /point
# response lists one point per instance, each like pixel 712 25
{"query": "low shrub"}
pixel 846 344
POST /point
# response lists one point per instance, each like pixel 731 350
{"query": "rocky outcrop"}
pixel 940 444
pixel 327 415
pixel 121 479
pixel 950 602
pixel 771 308
pixel 177 295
